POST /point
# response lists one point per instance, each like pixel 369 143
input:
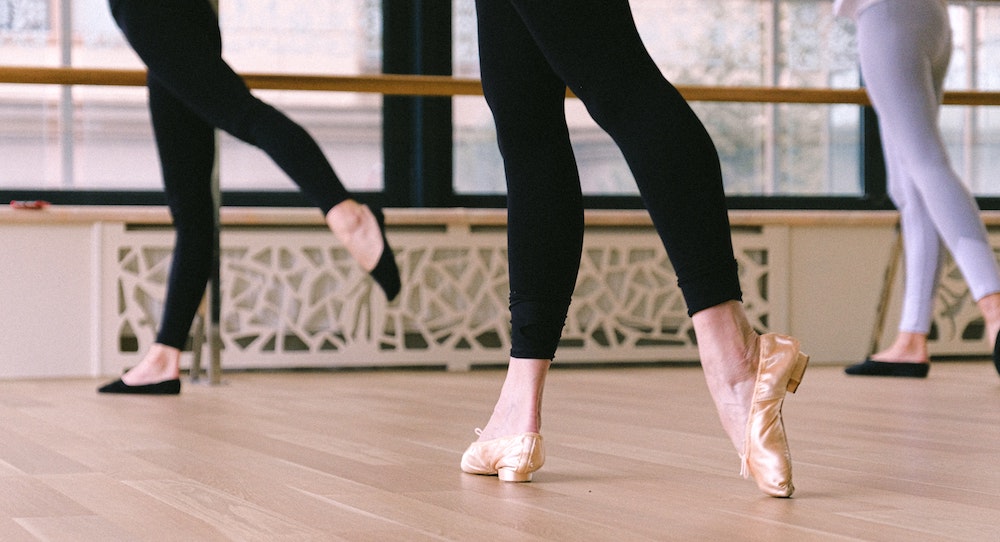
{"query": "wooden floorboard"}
pixel 633 454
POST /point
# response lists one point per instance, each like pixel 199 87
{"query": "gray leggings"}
pixel 905 47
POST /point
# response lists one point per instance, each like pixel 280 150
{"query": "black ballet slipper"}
pixel 167 387
pixel 386 274
pixel 870 367
pixel 996 353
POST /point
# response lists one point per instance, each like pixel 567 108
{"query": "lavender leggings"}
pixel 905 47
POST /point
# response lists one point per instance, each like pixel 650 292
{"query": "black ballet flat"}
pixel 870 367
pixel 385 273
pixel 996 353
pixel 167 387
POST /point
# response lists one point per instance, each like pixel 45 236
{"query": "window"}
pixel 765 149
pixel 98 139
pixel 973 133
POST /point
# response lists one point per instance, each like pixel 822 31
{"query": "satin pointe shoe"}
pixel 765 451
pixel 385 273
pixel 166 387
pixel 870 367
pixel 512 459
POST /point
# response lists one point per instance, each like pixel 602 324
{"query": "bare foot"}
pixel 990 307
pixel 732 391
pixel 357 229
pixel 160 363
pixel 907 348
pixel 728 348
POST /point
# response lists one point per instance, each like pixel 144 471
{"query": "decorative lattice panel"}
pixel 294 298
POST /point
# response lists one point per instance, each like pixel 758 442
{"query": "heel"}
pixel 511 459
pixel 508 474
pixel 801 361
pixel 385 273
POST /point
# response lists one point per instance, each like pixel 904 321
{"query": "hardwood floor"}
pixel 633 454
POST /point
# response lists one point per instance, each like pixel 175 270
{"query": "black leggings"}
pixel 192 91
pixel 530 51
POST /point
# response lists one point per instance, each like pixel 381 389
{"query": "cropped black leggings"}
pixel 530 51
pixel 192 91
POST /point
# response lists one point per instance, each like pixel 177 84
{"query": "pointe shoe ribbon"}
pixel 512 459
pixel 765 450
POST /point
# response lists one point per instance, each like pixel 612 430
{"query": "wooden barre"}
pixel 420 85
pixel 438 85
pixel 403 217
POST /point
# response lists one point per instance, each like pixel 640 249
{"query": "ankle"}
pixel 909 347
pixel 989 306
pixel 519 407
pixel 505 423
pixel 160 363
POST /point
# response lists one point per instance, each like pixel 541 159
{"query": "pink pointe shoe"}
pixel 765 451
pixel 512 458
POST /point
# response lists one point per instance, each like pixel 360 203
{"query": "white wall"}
pixel 837 276
pixel 48 312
